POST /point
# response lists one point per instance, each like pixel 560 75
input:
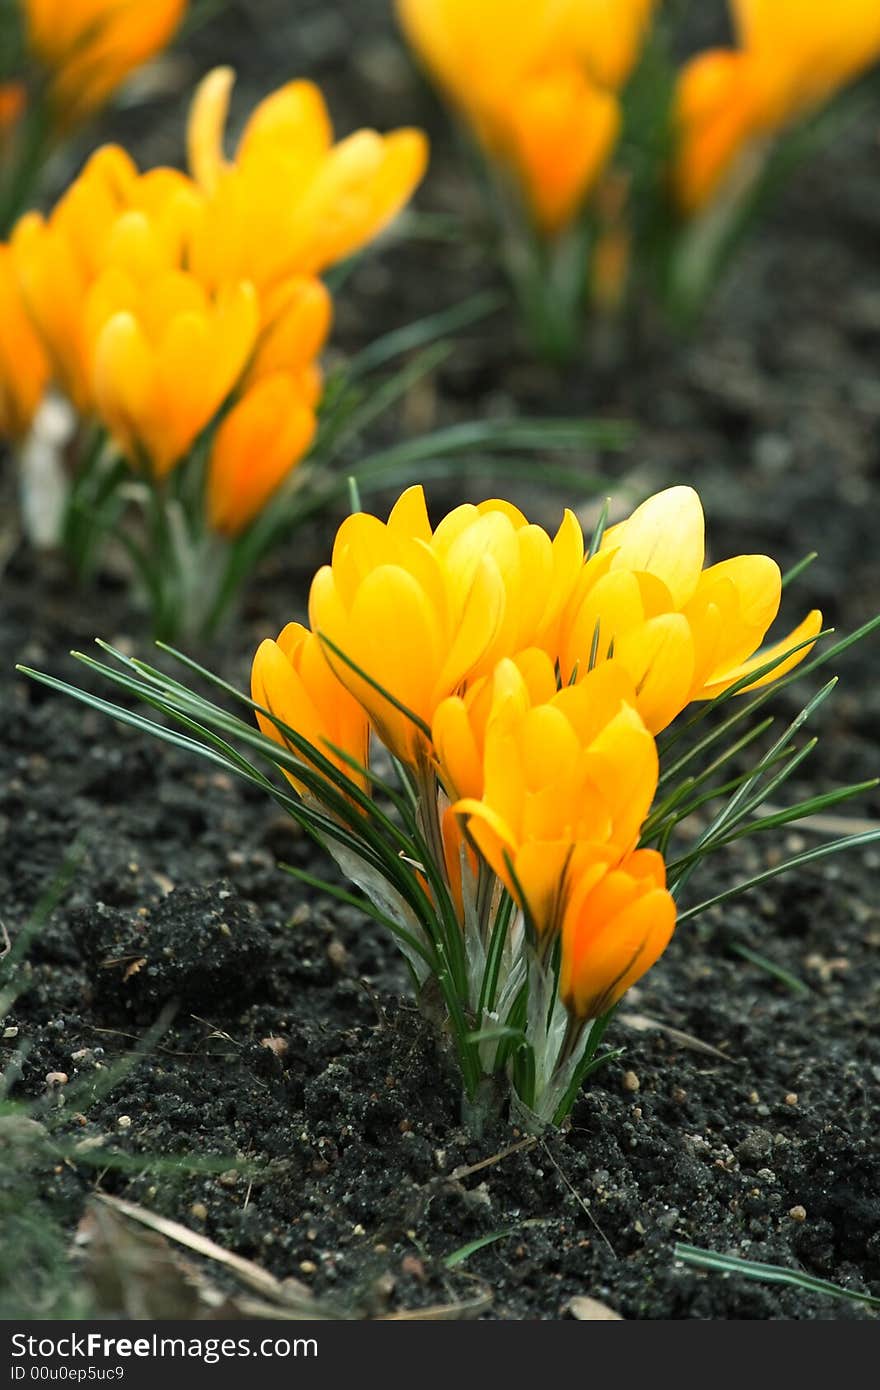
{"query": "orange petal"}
pixel 259 442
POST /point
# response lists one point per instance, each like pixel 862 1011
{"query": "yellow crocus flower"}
pixel 90 46
pixel 292 679
pixel 616 924
pixel 566 787
pixel 682 632
pixel 458 732
pixel 166 359
pixel 538 81
pixel 110 216
pixel 792 55
pixel 291 201
pixel 24 367
pixel 421 612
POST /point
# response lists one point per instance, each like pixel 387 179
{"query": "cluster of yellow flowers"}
pixel 83 50
pixel 540 83
pixel 792 55
pixel 521 686
pixel 160 327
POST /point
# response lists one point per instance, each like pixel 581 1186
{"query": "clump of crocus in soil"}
pixel 470 728
pixel 61 61
pixel 182 316
pixel 611 168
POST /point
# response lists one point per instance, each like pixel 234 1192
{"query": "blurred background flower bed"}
pixel 742 1117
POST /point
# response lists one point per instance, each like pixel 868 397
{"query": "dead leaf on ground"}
pixel 128 1259
pixel 587 1309
pixel 642 1023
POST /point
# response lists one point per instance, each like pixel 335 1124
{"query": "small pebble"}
pixel 630 1081
pixel 797 1213
pixel 791 1098
pixel 337 954
pixel 10 1032
pixel 308 1267
pixel 229 1178
pixel 198 1211
pixel 124 1122
pixel 57 1078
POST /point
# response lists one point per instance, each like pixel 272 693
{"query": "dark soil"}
pixel 291 1054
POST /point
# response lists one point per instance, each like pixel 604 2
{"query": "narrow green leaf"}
pixel 792 982
pixel 770 1274
pixel 797 570
pixel 869 837
pixel 422 332
pixel 465 1251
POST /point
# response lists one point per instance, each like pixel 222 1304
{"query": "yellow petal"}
pixel 491 834
pixel 409 515
pixel 458 754
pixel 206 126
pixel 478 615
pixel 562 131
pixel 296 319
pixel 24 366
pixel 540 881
pixel 613 932
pixel 659 656
pixel 747 590
pixel 609 610
pixel 665 537
pixel 259 442
pixel 392 619
pixel 294 118
pixel 716 113
pixel 809 628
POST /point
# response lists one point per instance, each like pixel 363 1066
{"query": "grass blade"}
pixel 770 1274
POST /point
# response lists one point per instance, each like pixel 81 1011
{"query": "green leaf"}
pixel 792 982
pixel 869 837
pixel 465 1251
pixel 422 332
pixel 770 1274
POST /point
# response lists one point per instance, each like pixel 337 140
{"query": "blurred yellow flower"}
pixel 110 216
pixel 566 787
pixel 24 367
pixel 291 679
pixel 258 443
pixel 292 201
pixel 420 612
pixel 792 56
pixel 616 925
pixel 90 46
pixel 538 80
pixel 683 633
pixel 165 361
pixel 295 319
